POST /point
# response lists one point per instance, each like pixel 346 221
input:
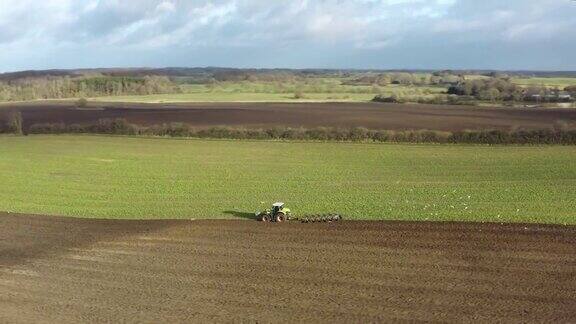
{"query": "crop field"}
pixel 237 97
pixel 382 116
pixel 548 82
pixel 318 90
pixel 113 177
pixel 67 270
pixel 325 90
pixel 158 256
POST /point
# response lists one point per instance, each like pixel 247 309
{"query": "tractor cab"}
pixel 277 207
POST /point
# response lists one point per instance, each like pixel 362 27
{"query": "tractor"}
pixel 278 213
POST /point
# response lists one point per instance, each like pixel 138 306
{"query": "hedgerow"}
pixel 355 134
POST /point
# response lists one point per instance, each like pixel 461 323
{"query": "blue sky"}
pixel 427 34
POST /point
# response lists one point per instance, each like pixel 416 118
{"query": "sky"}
pixel 360 34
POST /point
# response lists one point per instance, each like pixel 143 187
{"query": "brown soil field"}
pixel 370 115
pixel 64 270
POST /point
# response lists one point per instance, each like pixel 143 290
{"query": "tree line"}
pixel 502 89
pixel 405 78
pixel 119 126
pixel 69 87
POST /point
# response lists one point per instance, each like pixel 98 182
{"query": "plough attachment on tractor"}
pixel 320 218
pixel 278 213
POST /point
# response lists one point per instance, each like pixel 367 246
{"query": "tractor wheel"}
pixel 265 218
pixel 280 217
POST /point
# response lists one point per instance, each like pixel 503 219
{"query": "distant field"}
pixel 255 87
pixel 549 82
pixel 237 97
pixel 321 90
pixel 310 90
pixel 326 91
pixel 114 177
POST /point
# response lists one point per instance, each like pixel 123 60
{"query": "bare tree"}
pixel 15 122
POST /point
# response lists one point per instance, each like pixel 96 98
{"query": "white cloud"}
pixel 114 21
pixel 50 26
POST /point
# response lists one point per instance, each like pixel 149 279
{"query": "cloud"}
pixel 347 33
pixel 528 20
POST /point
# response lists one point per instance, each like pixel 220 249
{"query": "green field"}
pixel 237 97
pixel 122 177
pixel 313 90
pixel 547 82
pixel 319 91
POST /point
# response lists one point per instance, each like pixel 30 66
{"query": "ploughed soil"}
pixel 64 270
pixel 256 115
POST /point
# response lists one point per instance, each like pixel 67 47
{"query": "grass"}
pixel 237 97
pixel 123 177
pixel 318 91
pixel 548 82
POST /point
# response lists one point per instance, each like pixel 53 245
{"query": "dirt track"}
pixel 62 270
pixel 370 115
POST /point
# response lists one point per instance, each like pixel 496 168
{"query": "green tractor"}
pixel 278 213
